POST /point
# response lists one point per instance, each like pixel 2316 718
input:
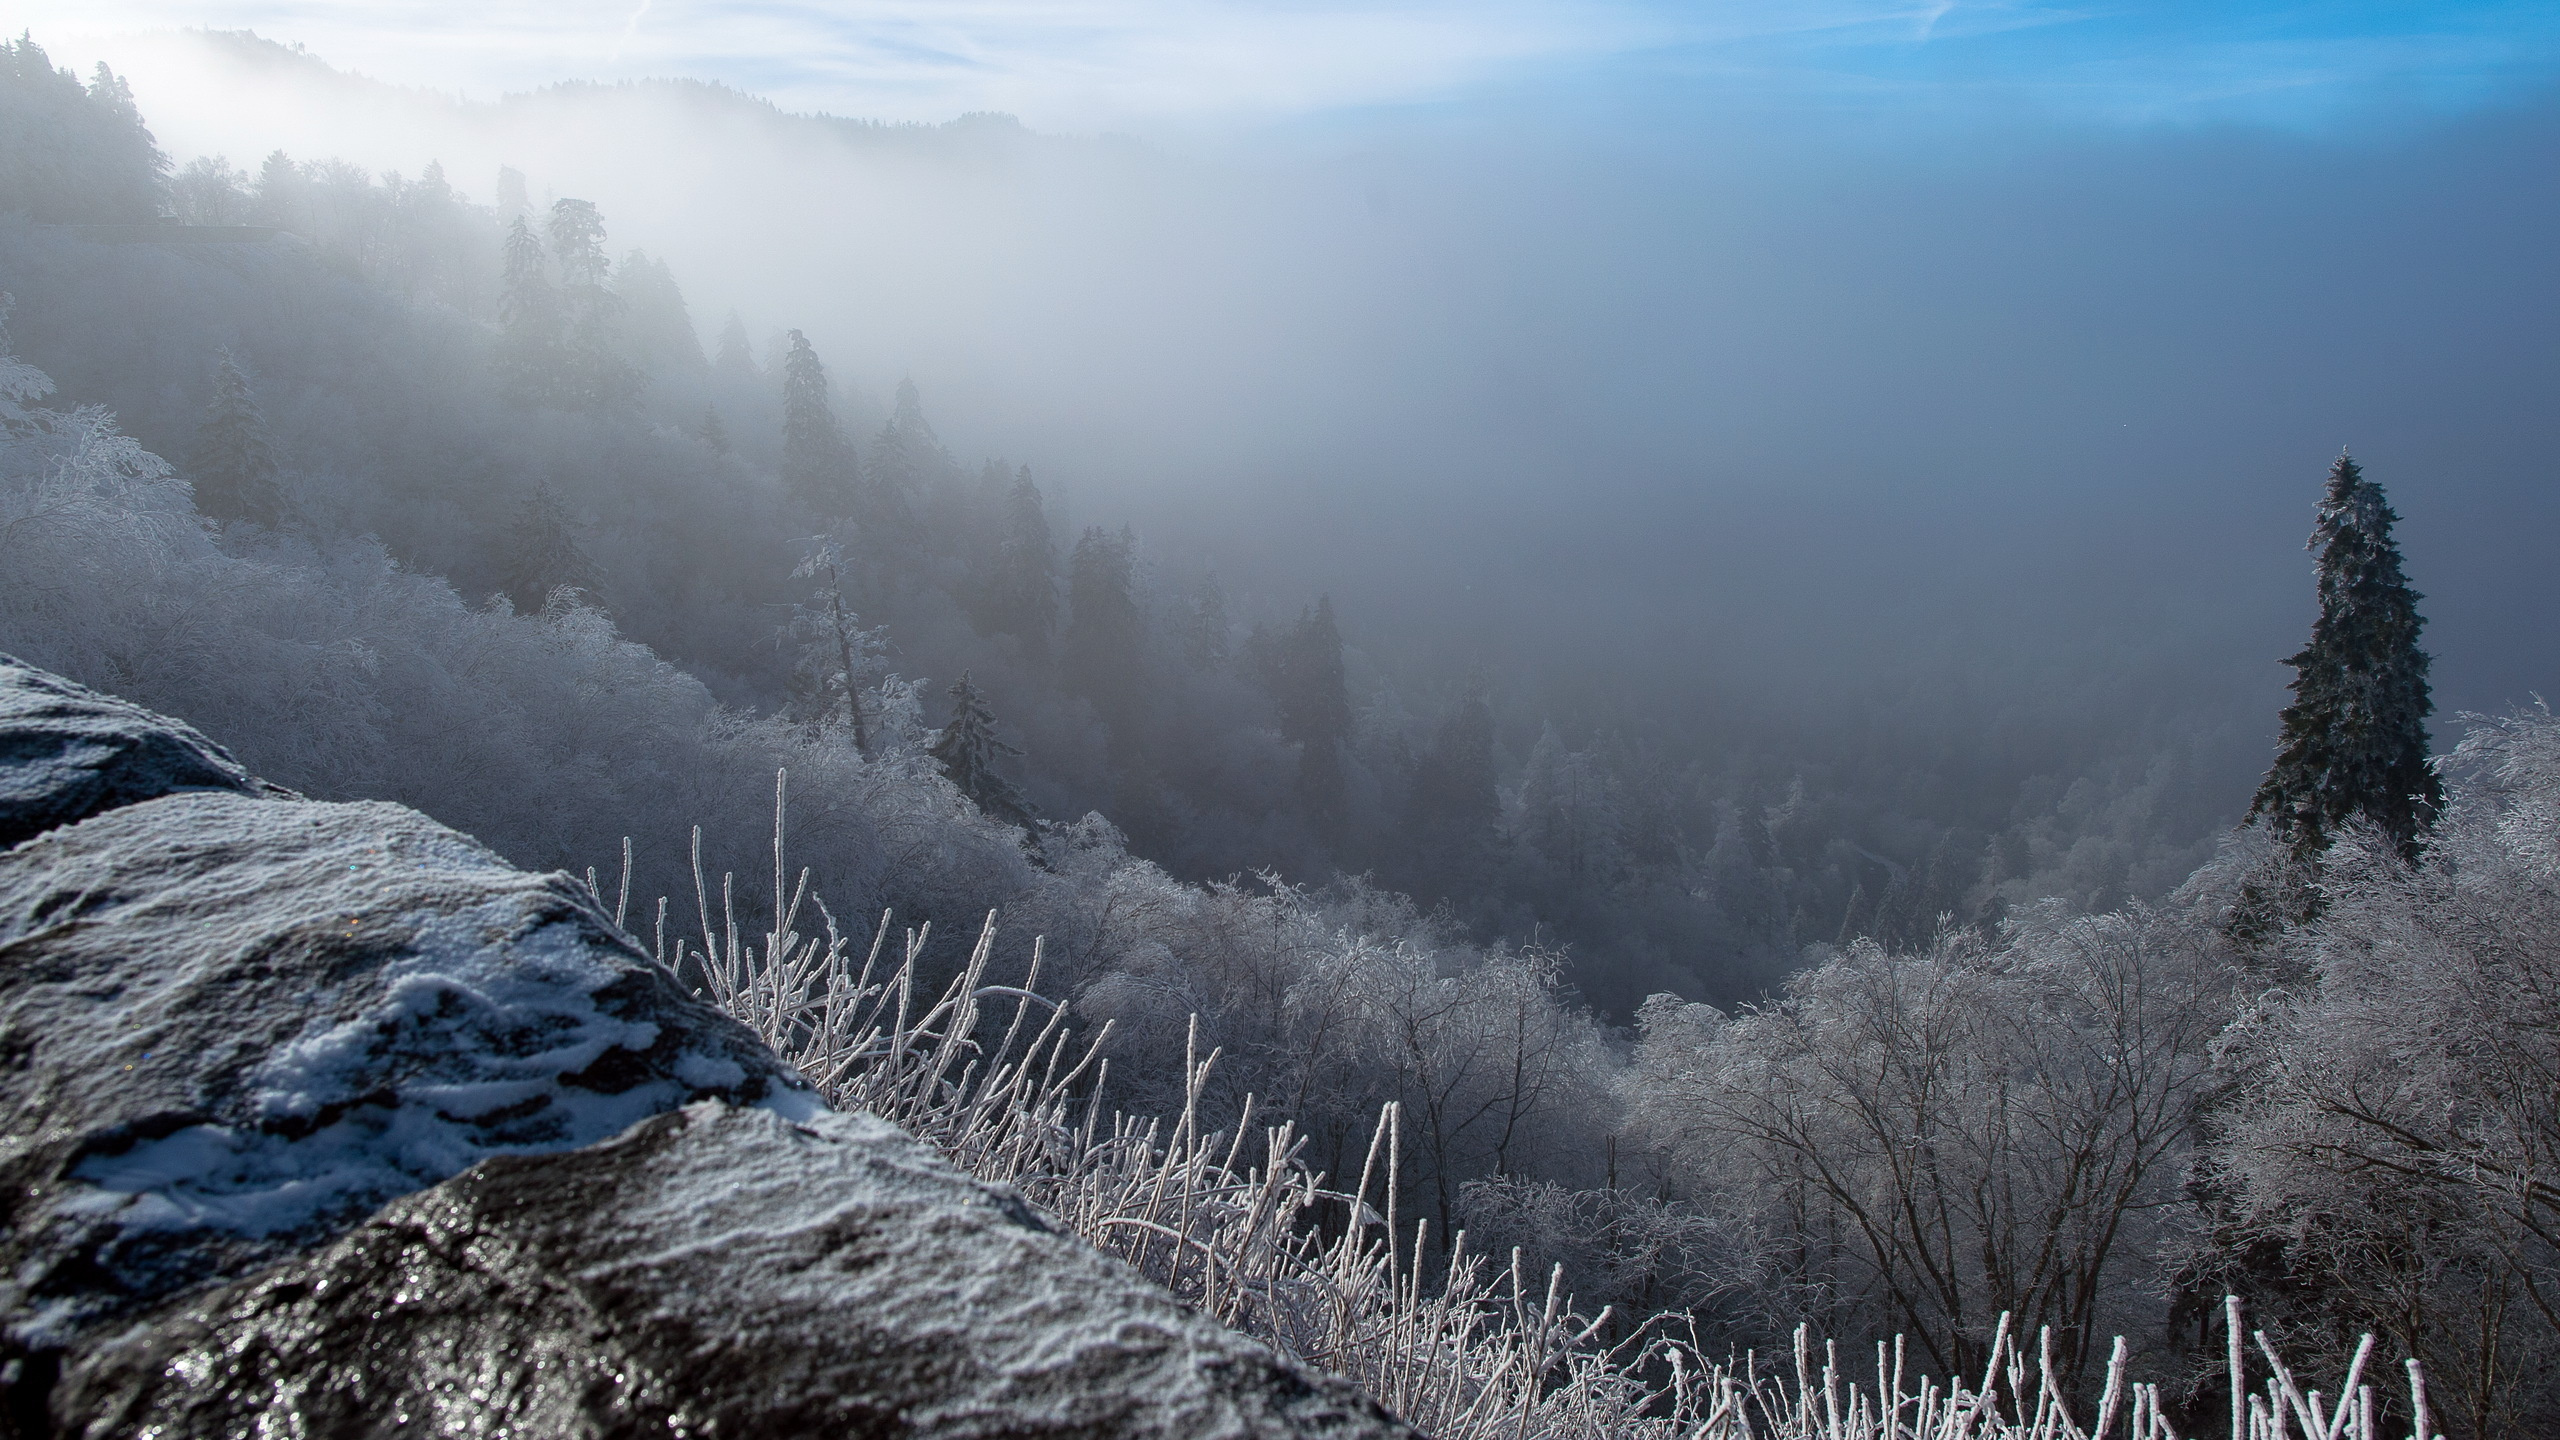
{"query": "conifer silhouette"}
pixel 967 749
pixel 2354 743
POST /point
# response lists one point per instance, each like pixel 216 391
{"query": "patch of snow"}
pixel 471 1054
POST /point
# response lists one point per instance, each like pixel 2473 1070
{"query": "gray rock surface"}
pixel 68 752
pixel 711 1272
pixel 322 1120
pixel 231 1027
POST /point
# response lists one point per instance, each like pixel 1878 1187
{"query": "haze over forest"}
pixel 1943 465
pixel 1434 545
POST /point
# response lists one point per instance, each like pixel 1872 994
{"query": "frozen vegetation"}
pixel 1519 1071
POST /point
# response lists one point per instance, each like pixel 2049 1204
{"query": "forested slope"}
pixel 456 509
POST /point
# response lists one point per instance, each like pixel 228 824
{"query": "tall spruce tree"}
pixel 967 749
pixel 817 465
pixel 1104 647
pixel 1302 670
pixel 532 338
pixel 235 462
pixel 2354 742
pixel 1205 627
pixel 1023 592
pixel 590 372
pixel 737 357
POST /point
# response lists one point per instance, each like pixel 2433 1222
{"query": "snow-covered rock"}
pixel 68 752
pixel 715 1271
pixel 322 1119
pixel 236 1026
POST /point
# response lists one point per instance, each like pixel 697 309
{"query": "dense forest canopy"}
pixel 1600 747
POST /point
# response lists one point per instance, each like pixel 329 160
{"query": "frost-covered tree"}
pixel 2354 740
pixel 836 648
pixel 2394 1142
pixel 968 748
pixel 235 462
pixel 543 557
pixel 1935 1137
pixel 817 465
pixel 1570 814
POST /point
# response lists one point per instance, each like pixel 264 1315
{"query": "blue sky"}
pixel 1151 64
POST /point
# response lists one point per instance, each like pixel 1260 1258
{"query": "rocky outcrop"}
pixel 715 1271
pixel 68 752
pixel 322 1119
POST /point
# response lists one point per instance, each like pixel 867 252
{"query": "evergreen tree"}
pixel 530 338
pixel 737 357
pixel 1570 814
pixel 281 198
pixel 1023 598
pixel 1302 671
pixel 235 463
pixel 591 373
pixel 905 457
pixel 906 452
pixel 816 465
pixel 514 202
pixel 1453 808
pixel 967 750
pixel 2354 741
pixel 543 556
pixel 1205 636
pixel 658 326
pixel 713 432
pixel 1316 710
pixel 1106 633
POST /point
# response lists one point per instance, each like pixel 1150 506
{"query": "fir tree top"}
pixel 967 749
pixel 2354 741
pixel 816 465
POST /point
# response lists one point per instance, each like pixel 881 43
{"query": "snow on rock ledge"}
pixel 68 752
pixel 322 1119
pixel 755 1277
pixel 233 1027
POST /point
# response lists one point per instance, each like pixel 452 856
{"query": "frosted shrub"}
pixel 1931 1139
pixel 1234 1222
